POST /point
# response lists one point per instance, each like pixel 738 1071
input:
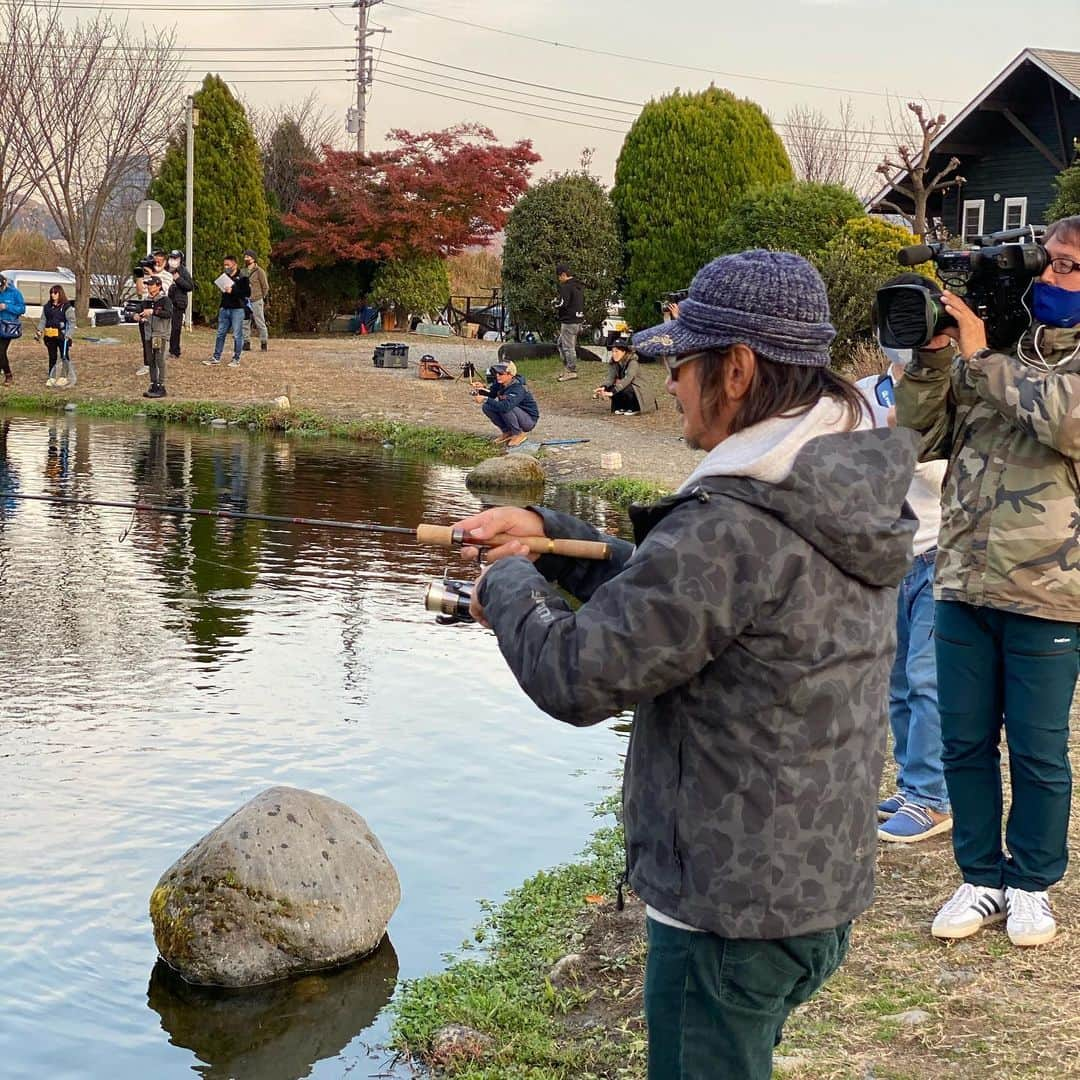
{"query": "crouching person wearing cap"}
pixel 508 403
pixel 751 628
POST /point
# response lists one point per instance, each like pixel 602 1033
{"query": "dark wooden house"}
pixel 1012 140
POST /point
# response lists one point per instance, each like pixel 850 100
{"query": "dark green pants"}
pixel 994 668
pixel 716 1007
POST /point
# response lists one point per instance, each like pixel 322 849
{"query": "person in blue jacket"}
pixel 12 305
pixel 508 403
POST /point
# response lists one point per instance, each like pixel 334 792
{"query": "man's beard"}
pixel 688 439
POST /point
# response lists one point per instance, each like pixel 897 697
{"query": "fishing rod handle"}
pixel 448 536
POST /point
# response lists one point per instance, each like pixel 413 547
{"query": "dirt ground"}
pixel 335 376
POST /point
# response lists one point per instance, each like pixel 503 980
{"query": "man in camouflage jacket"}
pixel 752 630
pixel 1008 589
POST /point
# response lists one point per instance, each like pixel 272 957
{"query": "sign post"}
pixel 149 216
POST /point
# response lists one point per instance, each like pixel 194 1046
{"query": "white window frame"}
pixel 1011 203
pixel 974 204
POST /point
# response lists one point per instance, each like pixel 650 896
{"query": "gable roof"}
pixel 1064 67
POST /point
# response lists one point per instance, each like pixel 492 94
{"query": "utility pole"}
pixel 356 121
pixel 189 198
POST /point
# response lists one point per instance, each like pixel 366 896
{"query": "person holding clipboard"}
pixel 234 291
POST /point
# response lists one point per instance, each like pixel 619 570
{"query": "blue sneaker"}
pixel 911 824
pixel 887 807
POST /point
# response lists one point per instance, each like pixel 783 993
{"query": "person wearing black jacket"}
pixel 231 313
pixel 182 284
pixel 570 309
pixel 508 404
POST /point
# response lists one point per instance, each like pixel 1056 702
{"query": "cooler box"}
pixel 392 354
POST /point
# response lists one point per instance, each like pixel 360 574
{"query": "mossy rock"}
pixel 506 472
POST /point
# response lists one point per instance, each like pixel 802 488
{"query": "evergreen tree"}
pixel 569 219
pixel 230 204
pixel 801 217
pixel 1067 200
pixel 683 162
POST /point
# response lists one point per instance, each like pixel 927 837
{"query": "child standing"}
pixel 158 326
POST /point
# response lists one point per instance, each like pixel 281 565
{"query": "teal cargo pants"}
pixel 994 668
pixel 715 1007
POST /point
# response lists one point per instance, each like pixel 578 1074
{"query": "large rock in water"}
pixel 293 882
pixel 506 471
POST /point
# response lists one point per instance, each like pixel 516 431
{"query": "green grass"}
pixel 449 445
pixel 620 490
pixel 505 993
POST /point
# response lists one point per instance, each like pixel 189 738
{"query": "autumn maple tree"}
pixel 434 194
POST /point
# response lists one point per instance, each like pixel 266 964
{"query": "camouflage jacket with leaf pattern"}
pixel 1010 524
pixel 753 630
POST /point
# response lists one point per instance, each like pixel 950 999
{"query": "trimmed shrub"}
pixel 859 259
pixel 684 161
pixel 569 219
pixel 416 286
pixel 801 217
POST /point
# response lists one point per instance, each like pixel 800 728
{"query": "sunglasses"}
pixel 673 363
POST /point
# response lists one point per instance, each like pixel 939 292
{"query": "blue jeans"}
pixel 513 422
pixel 913 697
pixel 230 319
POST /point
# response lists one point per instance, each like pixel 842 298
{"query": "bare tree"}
pixel 288 137
pixel 911 175
pixel 16 179
pixel 90 116
pixel 838 152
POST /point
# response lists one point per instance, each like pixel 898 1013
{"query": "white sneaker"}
pixel 61 381
pixel 971 908
pixel 1030 919
pixel 50 382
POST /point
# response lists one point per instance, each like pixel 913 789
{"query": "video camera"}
pixel 993 276
pixel 665 303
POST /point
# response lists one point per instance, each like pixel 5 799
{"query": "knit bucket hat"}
pixel 772 301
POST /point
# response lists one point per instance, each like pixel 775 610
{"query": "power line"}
pixel 639 59
pixel 211 8
pixel 502 108
pixel 507 78
pixel 401 71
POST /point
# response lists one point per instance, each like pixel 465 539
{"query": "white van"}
pixel 35 286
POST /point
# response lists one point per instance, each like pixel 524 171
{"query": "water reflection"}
pixel 275 1032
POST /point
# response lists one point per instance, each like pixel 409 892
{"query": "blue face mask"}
pixel 1054 305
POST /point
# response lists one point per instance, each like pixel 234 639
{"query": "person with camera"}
pixel 508 403
pixel 141 275
pixel 231 314
pixel 570 311
pixel 57 326
pixel 751 630
pixel 1007 587
pixel 623 388
pixel 178 292
pixel 157 322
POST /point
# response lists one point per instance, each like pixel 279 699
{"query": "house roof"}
pixel 1060 65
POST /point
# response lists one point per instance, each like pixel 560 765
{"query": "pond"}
pixel 158 671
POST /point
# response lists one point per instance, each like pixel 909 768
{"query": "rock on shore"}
pixel 508 471
pixel 292 882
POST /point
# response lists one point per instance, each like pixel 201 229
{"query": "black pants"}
pixel 625 400
pixel 5 367
pixel 54 347
pixel 174 337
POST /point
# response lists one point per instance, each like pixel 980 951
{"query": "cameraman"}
pixel 141 275
pixel 752 630
pixel 508 403
pixel 1007 588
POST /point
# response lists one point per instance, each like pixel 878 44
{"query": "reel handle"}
pixel 447 536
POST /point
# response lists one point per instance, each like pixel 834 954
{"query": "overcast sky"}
pixel 781 54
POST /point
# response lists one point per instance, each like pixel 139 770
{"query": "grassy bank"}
pixel 620 490
pixel 505 992
pixel 451 446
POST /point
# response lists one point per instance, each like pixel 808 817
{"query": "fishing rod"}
pixel 441 535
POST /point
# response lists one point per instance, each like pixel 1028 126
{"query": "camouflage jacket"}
pixel 1010 523
pixel 753 629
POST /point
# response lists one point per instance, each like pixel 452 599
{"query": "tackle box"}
pixel 391 354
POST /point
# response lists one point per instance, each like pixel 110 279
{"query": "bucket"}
pixel 611 460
